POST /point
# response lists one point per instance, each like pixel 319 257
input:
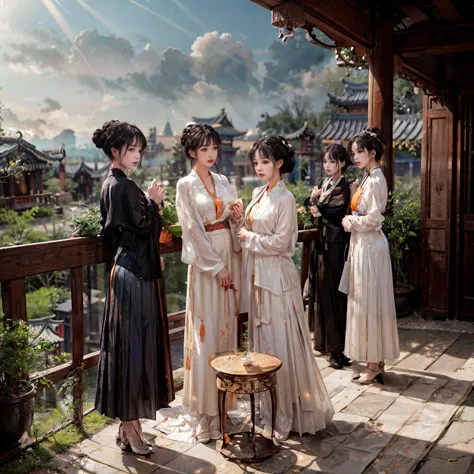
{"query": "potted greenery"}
pixel 402 225
pixel 18 360
pixel 85 221
pixel 169 218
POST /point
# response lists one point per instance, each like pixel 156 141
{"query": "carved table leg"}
pixel 221 402
pixel 252 408
pixel 273 395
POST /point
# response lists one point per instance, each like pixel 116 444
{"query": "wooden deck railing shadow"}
pixel 19 262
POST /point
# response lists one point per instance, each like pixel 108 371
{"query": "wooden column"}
pixel 77 321
pixel 39 175
pixel 381 88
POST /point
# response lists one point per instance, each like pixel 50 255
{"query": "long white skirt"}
pixel 303 401
pixel 206 297
pixel 371 334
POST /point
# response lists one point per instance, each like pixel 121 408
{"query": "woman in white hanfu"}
pixel 210 218
pixel 277 320
pixel 371 334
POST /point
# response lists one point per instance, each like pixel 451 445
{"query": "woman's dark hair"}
pixel 116 134
pixel 337 152
pixel 275 148
pixel 368 140
pixel 197 135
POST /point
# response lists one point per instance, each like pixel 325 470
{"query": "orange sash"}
pixel 218 202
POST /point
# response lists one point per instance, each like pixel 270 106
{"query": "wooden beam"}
pixel 342 22
pixel 381 90
pixel 440 40
pixel 447 10
pixel 349 27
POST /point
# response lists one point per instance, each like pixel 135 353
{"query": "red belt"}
pixel 217 226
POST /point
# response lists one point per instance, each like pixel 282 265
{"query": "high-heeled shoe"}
pixel 369 376
pixel 127 443
pixel 142 435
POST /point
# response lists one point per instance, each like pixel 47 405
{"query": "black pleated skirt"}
pixel 131 380
pixel 330 311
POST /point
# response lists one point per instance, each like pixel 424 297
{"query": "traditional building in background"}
pixel 83 175
pixel 23 188
pixel 167 131
pixel 308 165
pixel 228 134
pixel 350 117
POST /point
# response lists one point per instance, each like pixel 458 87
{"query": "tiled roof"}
pixel 16 148
pixel 355 94
pixel 73 169
pixel 302 132
pixel 345 126
pixel 222 124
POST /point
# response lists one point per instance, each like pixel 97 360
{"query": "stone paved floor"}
pixel 421 421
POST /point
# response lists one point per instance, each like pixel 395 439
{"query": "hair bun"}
pixel 185 132
pixel 101 135
pixel 374 132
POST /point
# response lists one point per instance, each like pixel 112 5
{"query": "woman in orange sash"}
pixel 371 334
pixel 210 217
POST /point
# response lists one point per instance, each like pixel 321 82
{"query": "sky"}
pixel 77 63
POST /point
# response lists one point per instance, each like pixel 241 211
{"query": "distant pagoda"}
pixel 227 133
pixel 167 131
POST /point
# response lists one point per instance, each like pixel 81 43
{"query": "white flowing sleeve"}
pixel 197 247
pixel 376 198
pixel 285 230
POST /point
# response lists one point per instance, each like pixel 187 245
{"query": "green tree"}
pixel 41 302
pixel 406 99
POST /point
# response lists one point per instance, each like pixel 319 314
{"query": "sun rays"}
pixel 109 25
pixel 68 31
pixel 166 20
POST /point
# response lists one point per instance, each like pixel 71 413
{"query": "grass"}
pixel 41 455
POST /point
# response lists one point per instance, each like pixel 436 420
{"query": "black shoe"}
pixel 335 361
pixel 346 362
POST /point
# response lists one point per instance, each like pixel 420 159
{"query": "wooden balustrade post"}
pixel 14 299
pixel 77 301
pixel 305 260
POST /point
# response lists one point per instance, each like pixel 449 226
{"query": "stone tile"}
pixel 64 460
pixel 88 466
pixel 371 405
pixel 427 355
pixel 424 387
pixel 203 459
pixel 467 411
pixel 121 461
pixel 348 395
pixel 106 435
pixel 393 418
pixel 442 466
pixel 283 462
pixel 456 442
pixel 84 447
pixel 455 356
pixel 429 422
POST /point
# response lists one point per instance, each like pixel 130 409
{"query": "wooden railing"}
pixel 27 201
pixel 17 263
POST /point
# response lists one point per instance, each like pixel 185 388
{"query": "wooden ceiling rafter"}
pixel 428 41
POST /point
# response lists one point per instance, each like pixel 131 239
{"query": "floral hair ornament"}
pixel 374 135
pixel 286 143
pixel 190 124
pixel 111 125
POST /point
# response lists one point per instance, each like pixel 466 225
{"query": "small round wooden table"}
pixel 235 378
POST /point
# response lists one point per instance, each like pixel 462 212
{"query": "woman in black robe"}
pixel 327 305
pixel 135 375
